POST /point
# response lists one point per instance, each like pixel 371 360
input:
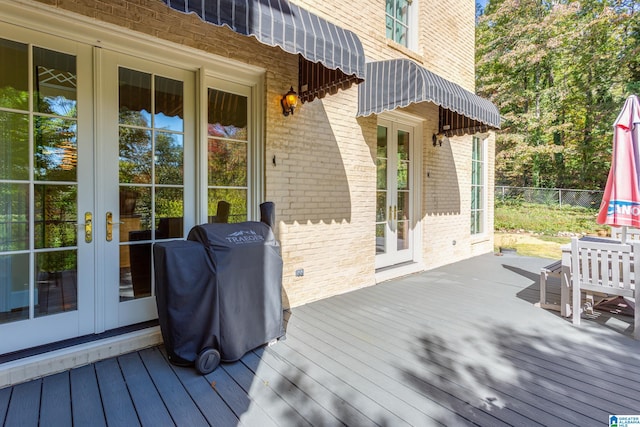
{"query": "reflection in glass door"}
pixel 150 170
pixel 228 153
pixel 45 226
pixel 148 124
pixel 393 194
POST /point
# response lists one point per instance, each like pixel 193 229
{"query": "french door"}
pixel 145 179
pixel 394 193
pixel 97 155
pixel 47 239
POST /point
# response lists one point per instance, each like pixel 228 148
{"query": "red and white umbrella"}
pixel 621 200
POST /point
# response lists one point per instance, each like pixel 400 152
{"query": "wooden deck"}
pixel 459 345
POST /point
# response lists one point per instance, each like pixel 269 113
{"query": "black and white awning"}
pixel 334 51
pixel 400 82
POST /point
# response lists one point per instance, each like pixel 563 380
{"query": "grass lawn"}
pixel 541 230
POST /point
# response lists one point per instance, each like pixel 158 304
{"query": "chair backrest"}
pixel 633 234
pixel 608 268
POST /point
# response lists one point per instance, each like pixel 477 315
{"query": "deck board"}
pixel 441 386
pixel 118 407
pixel 5 397
pixel 239 401
pixel 183 410
pixel 85 397
pixel 360 345
pixel 307 407
pixel 308 387
pixel 459 345
pixel 531 409
pixel 212 406
pixel 145 397
pixel 263 395
pixel 24 407
pixel 55 407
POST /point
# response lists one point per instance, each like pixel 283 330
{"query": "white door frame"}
pixel 68 324
pixel 403 121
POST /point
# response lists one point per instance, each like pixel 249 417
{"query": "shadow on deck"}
pixel 458 345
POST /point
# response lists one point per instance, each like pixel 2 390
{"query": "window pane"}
pixel 402 11
pixel 14 145
pixel 227 115
pixel 134 98
pixel 381 150
pixel 381 168
pixel 169 212
pixel 56 149
pixel 14 217
pixel 403 145
pixel 56 282
pixel 227 163
pixel 55 216
pixel 14 285
pixel 135 271
pixel 381 230
pixel 135 212
pixel 55 83
pixel 14 75
pixel 381 206
pixel 135 155
pixel 237 198
pixel 403 175
pixel 169 158
pixel 168 104
pixel 403 206
pixel 403 235
pixel 389 27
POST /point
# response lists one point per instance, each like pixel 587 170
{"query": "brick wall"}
pixel 324 176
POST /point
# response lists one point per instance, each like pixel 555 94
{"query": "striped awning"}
pixel 400 82
pixel 293 29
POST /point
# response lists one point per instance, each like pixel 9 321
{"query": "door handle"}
pixel 110 224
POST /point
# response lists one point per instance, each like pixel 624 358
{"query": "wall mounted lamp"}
pixel 289 102
pixel 437 139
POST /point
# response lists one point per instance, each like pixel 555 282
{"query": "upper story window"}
pixel 400 21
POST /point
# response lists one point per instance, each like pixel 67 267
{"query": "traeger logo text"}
pixel 244 236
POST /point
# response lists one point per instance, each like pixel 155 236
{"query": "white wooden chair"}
pixel 605 268
pixel 633 234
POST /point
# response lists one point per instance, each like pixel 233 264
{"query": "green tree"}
pixel 559 72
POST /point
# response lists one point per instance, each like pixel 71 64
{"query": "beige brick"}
pixel 324 179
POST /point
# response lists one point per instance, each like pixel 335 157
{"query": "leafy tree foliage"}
pixel 559 72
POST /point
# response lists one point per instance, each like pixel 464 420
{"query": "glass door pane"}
pixel 38 207
pixel 227 156
pixel 151 168
pixel 382 204
pixel 403 187
pixel 45 289
pixel 394 188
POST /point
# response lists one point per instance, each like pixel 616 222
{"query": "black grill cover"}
pixel 248 270
pixel 187 299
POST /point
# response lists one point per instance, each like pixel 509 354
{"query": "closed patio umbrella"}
pixel 621 200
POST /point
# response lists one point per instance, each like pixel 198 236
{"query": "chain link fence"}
pixel 550 196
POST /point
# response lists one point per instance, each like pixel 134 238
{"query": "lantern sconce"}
pixel 437 139
pixel 289 102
